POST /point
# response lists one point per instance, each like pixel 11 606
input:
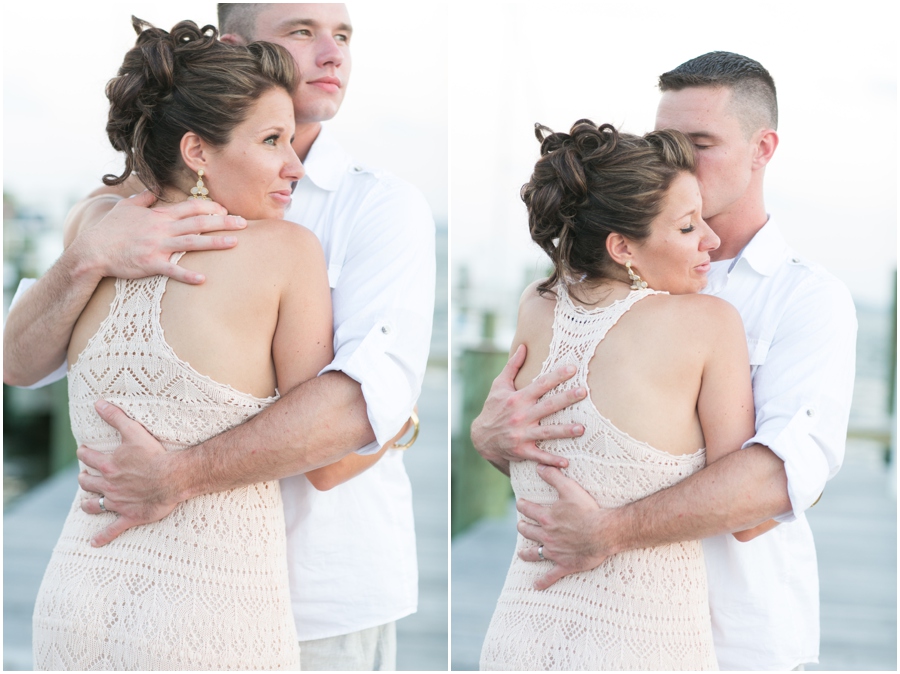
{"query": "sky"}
pixel 55 149
pixel 832 184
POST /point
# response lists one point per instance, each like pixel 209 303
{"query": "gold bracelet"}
pixel 415 419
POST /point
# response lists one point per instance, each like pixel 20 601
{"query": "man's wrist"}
pixel 613 530
pixel 81 262
pixel 177 473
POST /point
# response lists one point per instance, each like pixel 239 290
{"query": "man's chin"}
pixel 313 111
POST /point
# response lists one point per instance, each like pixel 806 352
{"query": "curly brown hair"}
pixel 185 80
pixel 594 181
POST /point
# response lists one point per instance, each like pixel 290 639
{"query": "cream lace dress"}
pixel 639 610
pixel 206 587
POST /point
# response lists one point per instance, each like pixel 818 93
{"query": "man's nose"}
pixel 329 52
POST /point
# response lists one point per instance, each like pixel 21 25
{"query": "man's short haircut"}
pixel 239 18
pixel 752 87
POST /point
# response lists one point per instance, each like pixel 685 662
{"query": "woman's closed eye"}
pixel 687 230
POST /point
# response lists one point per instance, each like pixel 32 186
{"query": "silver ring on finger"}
pixel 540 552
pixel 102 506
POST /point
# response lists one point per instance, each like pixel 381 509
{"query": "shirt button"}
pixel 385 330
pixel 357 169
pixel 810 412
pixel 795 260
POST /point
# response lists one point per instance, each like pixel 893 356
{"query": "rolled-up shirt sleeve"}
pixel 804 387
pixel 383 299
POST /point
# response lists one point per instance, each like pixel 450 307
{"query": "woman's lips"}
pixel 283 197
pixel 703 268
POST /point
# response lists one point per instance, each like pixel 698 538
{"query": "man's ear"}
pixel 194 152
pixel 765 147
pixel 619 248
pixel 233 38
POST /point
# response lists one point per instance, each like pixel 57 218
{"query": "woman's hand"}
pixel 758 530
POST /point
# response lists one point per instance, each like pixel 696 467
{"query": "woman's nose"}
pixel 710 240
pixel 293 168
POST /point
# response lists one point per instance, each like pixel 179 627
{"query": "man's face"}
pixel 318 37
pixel 724 153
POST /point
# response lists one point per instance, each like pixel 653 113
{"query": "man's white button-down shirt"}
pixel 801 333
pixel 351 550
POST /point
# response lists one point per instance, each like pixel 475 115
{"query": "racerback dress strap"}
pixel 577 331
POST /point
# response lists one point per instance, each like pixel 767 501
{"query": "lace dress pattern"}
pixel 639 610
pixel 206 588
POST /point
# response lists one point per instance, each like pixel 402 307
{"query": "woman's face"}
pixel 675 257
pixel 251 176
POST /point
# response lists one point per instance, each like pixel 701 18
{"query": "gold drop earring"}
pixel 637 283
pixel 200 191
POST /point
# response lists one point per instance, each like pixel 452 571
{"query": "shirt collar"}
pixel 327 162
pixel 765 251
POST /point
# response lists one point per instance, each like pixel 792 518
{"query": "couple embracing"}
pixel 638 416
pixel 229 347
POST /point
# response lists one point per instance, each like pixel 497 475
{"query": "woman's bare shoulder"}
pixel 695 316
pixel 282 230
pixel 535 306
pixel 281 239
pixel 692 306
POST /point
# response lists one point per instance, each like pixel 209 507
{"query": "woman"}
pixel 205 588
pixel 668 377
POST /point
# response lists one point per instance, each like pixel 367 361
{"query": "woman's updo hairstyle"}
pixel 593 181
pixel 180 81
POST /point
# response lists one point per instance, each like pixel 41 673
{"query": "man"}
pixel 351 550
pixel 801 330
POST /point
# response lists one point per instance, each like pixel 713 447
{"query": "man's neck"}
pixel 304 137
pixel 734 237
pixel 737 226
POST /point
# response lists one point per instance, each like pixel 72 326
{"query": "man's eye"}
pixel 302 31
pixel 342 38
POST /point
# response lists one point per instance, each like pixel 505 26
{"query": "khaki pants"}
pixel 370 650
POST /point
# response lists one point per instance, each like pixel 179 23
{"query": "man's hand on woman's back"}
pixel 137 236
pixel 509 425
pixel 134 238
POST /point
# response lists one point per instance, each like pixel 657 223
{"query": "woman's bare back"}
pixel 225 328
pixel 645 375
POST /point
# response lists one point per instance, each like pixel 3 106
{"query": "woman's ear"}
pixel 193 152
pixel 619 248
